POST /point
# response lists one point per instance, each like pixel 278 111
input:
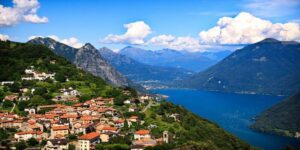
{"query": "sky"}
pixel 193 25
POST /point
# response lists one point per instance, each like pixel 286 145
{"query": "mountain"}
pixel 87 58
pixel 195 61
pixel 266 67
pixel 191 132
pixel 282 118
pixel 144 74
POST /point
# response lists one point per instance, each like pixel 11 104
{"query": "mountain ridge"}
pixel 266 67
pixel 281 119
pixel 80 57
pixel 145 74
pixel 195 61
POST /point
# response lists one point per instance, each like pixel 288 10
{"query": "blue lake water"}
pixel 233 112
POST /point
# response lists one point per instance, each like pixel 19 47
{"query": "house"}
pixel 11 97
pixel 18 123
pixel 6 123
pixel 25 135
pixel 24 98
pixel 143 98
pixel 119 123
pixel 86 119
pixel 70 92
pixel 30 111
pixel 108 129
pixel 127 102
pixel 59 131
pixel 7 82
pixel 56 144
pixel 175 116
pixel 104 137
pixel 88 141
pixel 141 134
pixel 133 119
pixel 145 142
pixel 70 117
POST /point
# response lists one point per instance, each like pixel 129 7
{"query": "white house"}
pixel 88 141
pixel 141 134
pixel 19 136
pixel 56 144
pixel 30 110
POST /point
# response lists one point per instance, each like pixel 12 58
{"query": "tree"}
pixel 71 147
pixel 99 147
pixel 40 91
pixel 37 100
pixel 72 137
pixel 32 142
pixel 21 145
pixel 1 94
pixel 84 98
pixel 7 104
pixel 3 134
pixel 60 77
pixel 22 105
pixel 126 126
pixel 119 101
pixel 15 87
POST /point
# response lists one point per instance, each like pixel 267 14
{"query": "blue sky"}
pixel 92 21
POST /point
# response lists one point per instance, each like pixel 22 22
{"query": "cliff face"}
pixel 86 58
pixel 89 59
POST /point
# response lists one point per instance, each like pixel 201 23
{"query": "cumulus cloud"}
pixel 178 43
pixel 246 28
pixel 22 10
pixel 3 37
pixel 135 34
pixel 72 41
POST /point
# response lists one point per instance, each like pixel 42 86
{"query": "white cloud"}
pixel 135 34
pixel 272 8
pixel 4 37
pixel 178 43
pixel 246 28
pixel 22 10
pixel 72 41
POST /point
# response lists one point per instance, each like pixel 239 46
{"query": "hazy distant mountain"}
pixel 87 58
pixel 282 118
pixel 266 67
pixel 143 73
pixel 195 61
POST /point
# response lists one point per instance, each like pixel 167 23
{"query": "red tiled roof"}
pixel 86 118
pixel 110 128
pixel 119 121
pixel 89 136
pixel 29 132
pixel 78 105
pixel 142 132
pixel 31 122
pixel 55 128
pixel 69 116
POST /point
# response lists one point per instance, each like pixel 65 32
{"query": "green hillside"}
pixel 282 118
pixel 189 132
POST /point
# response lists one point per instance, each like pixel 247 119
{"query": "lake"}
pixel 233 112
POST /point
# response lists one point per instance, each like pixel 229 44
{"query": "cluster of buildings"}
pixel 94 121
pixel 31 74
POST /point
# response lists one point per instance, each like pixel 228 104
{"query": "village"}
pixel 94 122
pixel 82 125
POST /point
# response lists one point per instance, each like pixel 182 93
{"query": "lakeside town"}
pixel 70 124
